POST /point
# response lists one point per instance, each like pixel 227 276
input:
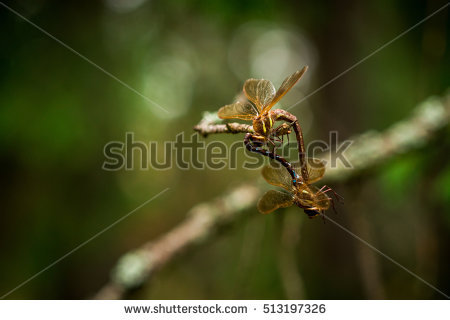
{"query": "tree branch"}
pixel 135 267
pixel 367 151
pixel 373 148
pixel 210 123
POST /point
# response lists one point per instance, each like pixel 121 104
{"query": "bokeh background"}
pixel 57 112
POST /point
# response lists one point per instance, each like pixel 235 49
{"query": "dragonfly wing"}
pixel 265 93
pixel 238 110
pixel 259 91
pixel 273 200
pixel 287 84
pixel 315 168
pixel 277 176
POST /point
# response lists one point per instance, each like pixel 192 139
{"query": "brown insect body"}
pixel 312 200
pixel 261 97
pixel 263 125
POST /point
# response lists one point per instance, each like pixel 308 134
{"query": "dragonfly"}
pixel 261 96
pixel 311 199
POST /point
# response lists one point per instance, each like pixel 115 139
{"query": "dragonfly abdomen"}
pixel 257 147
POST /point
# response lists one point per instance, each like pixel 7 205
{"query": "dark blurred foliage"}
pixel 58 111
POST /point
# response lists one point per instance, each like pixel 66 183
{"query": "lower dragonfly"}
pixel 311 199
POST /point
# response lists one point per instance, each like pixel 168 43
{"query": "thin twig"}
pixel 369 150
pixel 233 127
pixel 373 148
pixel 211 123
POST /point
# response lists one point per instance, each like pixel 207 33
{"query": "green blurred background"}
pixel 58 111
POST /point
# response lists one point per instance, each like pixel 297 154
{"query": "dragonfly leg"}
pixel 288 140
pixel 333 206
pixel 336 195
pixel 325 189
pixel 273 146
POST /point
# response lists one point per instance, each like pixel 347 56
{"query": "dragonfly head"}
pixel 311 213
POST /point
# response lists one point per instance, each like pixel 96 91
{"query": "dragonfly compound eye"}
pixel 311 213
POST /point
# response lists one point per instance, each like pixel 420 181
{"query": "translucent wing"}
pixel 273 200
pixel 265 92
pixel 287 84
pixel 238 110
pixel 250 91
pixel 260 92
pixel 277 176
pixel 315 168
pixel 311 197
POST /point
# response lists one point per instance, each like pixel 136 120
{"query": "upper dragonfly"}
pixel 261 97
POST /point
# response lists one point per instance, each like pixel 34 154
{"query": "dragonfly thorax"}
pixel 262 124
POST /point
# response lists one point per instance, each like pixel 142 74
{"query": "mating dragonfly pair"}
pixel 260 97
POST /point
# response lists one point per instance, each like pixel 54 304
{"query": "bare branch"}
pixel 205 129
pixel 374 148
pixel 211 123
